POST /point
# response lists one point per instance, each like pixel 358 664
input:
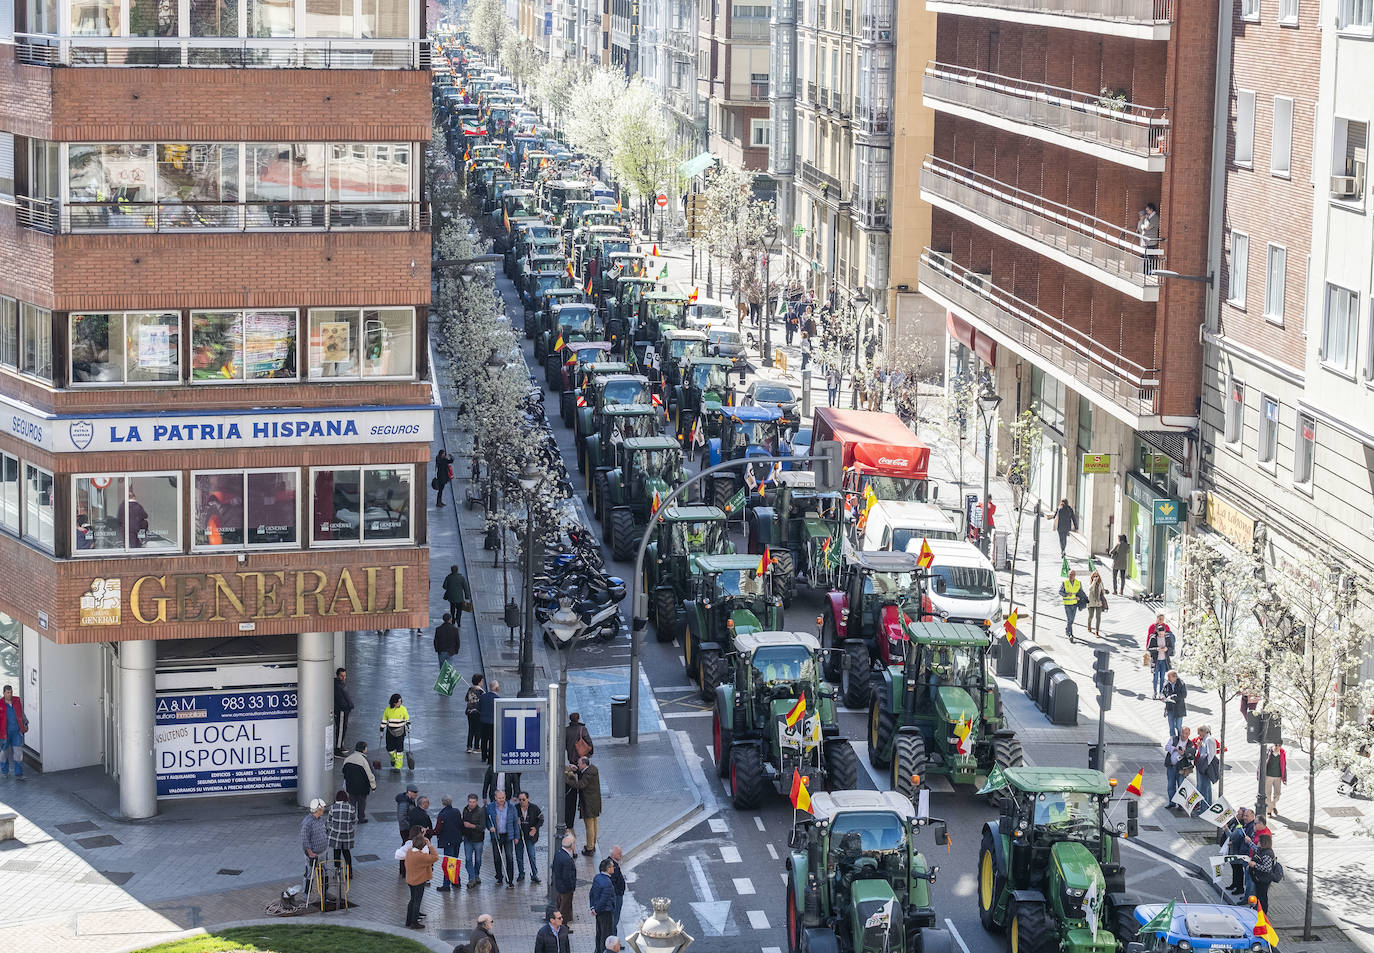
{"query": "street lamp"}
pixel 530 478
pixel 988 402
pixel 770 246
pixel 859 300
pixel 563 625
pixel 659 933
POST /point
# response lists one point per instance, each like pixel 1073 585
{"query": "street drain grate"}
pixel 228 872
pixel 1344 811
pixel 77 827
pixel 101 840
pixel 1151 827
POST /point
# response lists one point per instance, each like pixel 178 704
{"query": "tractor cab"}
pixel 880 588
pixel 692 531
pixel 682 535
pixel 567 323
pixel 644 470
pixel 703 391
pixel 752 432
pixel 803 528
pixel 603 446
pixel 559 375
pixel 674 348
pixel 659 311
pixel 731 589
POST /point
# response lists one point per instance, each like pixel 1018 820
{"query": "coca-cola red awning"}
pixel 874 442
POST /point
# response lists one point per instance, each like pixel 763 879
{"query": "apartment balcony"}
pixel 43 49
pixel 1059 349
pixel 1104 251
pixel 826 186
pixel 1132 19
pixel 1130 135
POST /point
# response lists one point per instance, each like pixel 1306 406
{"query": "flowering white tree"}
pixel 735 227
pixel 487 26
pixel 551 89
pixel 593 108
pixel 520 59
pixel 955 416
pixel 1024 439
pixel 642 153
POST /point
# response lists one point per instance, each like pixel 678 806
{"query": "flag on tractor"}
pixel 568 266
pixel 558 345
pixel 452 868
pixel 801 798
pixel 764 560
pixel 927 556
pixel 467 156
pixel 798 711
pixel 654 252
pixel 587 289
pixel 961 731
pixel 1137 784
pixel 830 552
pixel 505 219
pixel 1009 627
pixel 692 298
pixel 617 207
pixel 1263 929
pixel 869 499
pixel 663 275
pixel 1162 921
pixel 658 501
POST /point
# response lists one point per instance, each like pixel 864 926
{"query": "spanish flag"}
pixel 1009 627
pixel 587 289
pixel 617 208
pixel 558 345
pixel 452 868
pixel 568 266
pixel 961 732
pixel 927 556
pixel 505 219
pixel 798 712
pixel 654 253
pixel 801 798
pixel 658 501
pixel 1137 783
pixel 691 298
pixel 1263 929
pixel 764 561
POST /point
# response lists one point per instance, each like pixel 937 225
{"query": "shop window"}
pixel 1269 430
pixel 243 346
pixel 9 492
pixel 35 341
pixel 121 513
pixel 39 508
pixel 255 508
pixel 135 348
pixel 385 348
pixel 1304 449
pixel 352 505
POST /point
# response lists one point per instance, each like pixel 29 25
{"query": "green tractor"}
pixel 856 882
pixel 682 535
pixel 936 710
pixel 600 450
pixel 731 598
pixel 703 391
pixel 674 348
pixel 578 386
pixel 624 494
pixel 568 324
pixel 1049 869
pixel 622 302
pixel 659 311
pixel 614 388
pixel 543 318
pixel 754 746
pixel 802 531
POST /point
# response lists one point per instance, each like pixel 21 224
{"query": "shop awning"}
pixel 970 337
pixel 697 165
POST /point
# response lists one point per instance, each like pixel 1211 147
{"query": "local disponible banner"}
pixel 226 742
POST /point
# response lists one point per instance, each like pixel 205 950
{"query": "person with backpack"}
pixel 443 476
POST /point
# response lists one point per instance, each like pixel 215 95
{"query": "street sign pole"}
pixel 555 772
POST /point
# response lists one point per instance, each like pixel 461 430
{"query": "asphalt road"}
pixel 725 874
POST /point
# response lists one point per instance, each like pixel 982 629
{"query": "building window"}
pixel 9 332
pixel 1355 15
pixel 1269 429
pixel 1349 154
pixel 385 349
pixel 135 348
pixel 758 85
pixel 1235 411
pixel 6 144
pixel 1245 127
pixel 123 513
pixel 1340 331
pixel 1048 393
pixel 243 346
pixel 1288 12
pixel 39 508
pixel 35 341
pixel 253 508
pixel 361 505
pixel 1275 280
pixel 1304 449
pixel 9 492
pixel 1240 267
pixel 759 132
pixel 1249 9
pixel 1281 144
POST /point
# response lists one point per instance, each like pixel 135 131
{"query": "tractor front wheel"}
pixel 665 615
pixel 881 723
pixel 720 743
pixel 689 653
pixel 746 777
pixel 1030 929
pixel 793 916
pixel 1124 926
pixel 622 534
pixel 601 493
pixel 854 677
pixel 722 488
pixel 841 766
pixel 830 661
pixel 908 761
pixel 1006 752
pixel 713 671
pixel 567 401
pixel 553 372
pixel 989 886
pixel 931 940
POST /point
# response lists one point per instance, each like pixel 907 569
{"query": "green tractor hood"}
pixel 954 704
pixel 1077 874
pixel 877 917
pixel 745 621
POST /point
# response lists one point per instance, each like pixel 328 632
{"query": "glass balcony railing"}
pixel 1123 11
pixel 42 49
pixel 184 217
pixel 1139 130
pixel 1102 244
pixel 829 186
pixel 1090 360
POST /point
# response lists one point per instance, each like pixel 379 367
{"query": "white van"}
pixel 963 584
pixel 897 525
pixel 707 308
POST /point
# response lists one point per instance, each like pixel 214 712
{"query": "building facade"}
pixel 732 84
pixel 1058 126
pixel 214 377
pixel 668 60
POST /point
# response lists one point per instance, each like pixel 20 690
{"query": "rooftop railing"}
pixel 42 49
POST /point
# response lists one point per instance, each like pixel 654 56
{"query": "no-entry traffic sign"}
pixel 662 200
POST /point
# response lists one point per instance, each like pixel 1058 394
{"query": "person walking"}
pixel 342 827
pixel 404 802
pixel 418 857
pixel 1274 774
pixel 1065 522
pixel 565 878
pixel 601 899
pixel 501 826
pixel 587 780
pixel 529 819
pixel 315 845
pixel 474 823
pixel 472 700
pixel 448 833
pixel 12 744
pixel 343 704
pixel 359 781
pixel 1261 866
pixel 486 714
pixel 1072 595
pixel 1121 561
pixel 1159 645
pixel 1175 701
pixel 832 386
pixel 447 640
pixel 458 594
pixel 574 733
pixel 1097 603
pixel 553 935
pixel 618 880
pixel 1208 764
pixel 805 350
pixel 443 476
pixel 395 729
pixel 481 939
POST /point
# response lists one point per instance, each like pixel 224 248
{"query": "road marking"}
pixel 784 877
pixel 771 949
pixel 773 852
pixel 744 886
pixel 954 932
pixel 686 714
pixel 759 821
pixel 730 854
pixel 699 879
pixel 673 689
pixel 718 825
pixel 758 919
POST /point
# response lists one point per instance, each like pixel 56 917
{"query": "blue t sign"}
pixel 520 725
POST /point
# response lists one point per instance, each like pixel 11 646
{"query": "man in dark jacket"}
pixel 343 704
pixel 601 899
pixel 359 781
pixel 1238 844
pixel 1175 701
pixel 553 935
pixel 486 714
pixel 447 640
pixel 618 879
pixel 587 780
pixel 457 593
pixel 474 839
pixel 501 825
pixel 565 877
pixel 448 831
pixel 530 819
pixel 482 940
pixel 404 802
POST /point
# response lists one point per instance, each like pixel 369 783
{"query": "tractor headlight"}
pixel 1257 945
pixel 1076 893
pixel 1184 945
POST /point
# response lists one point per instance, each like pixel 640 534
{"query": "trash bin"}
pixel 620 716
pixel 1001 549
pixel 1006 658
pixel 1029 654
pixel 1061 699
pixel 1040 690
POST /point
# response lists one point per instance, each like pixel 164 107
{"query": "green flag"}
pixel 663 275
pixel 736 501
pixel 997 779
pixel 447 680
pixel 1064 569
pixel 1160 922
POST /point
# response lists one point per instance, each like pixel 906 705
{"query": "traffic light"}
pixel 1264 728
pixel 1103 677
pixel 827 458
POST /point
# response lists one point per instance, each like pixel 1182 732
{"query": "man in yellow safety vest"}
pixel 1071 591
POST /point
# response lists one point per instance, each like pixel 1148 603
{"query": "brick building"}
pixel 213 371
pixel 1056 125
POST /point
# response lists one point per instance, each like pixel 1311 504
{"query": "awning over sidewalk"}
pixel 966 334
pixel 697 165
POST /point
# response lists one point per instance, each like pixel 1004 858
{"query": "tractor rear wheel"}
pixel 854 677
pixel 600 494
pixel 881 723
pixel 713 671
pixel 746 777
pixel 1124 925
pixel 720 743
pixel 722 488
pixel 689 653
pixel 622 534
pixel 908 760
pixel 841 766
pixel 793 915
pixel 1006 752
pixel 1030 930
pixel 566 402
pixel 931 940
pixel 830 661
pixel 553 372
pixel 990 882
pixel 665 615
pixel 785 576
